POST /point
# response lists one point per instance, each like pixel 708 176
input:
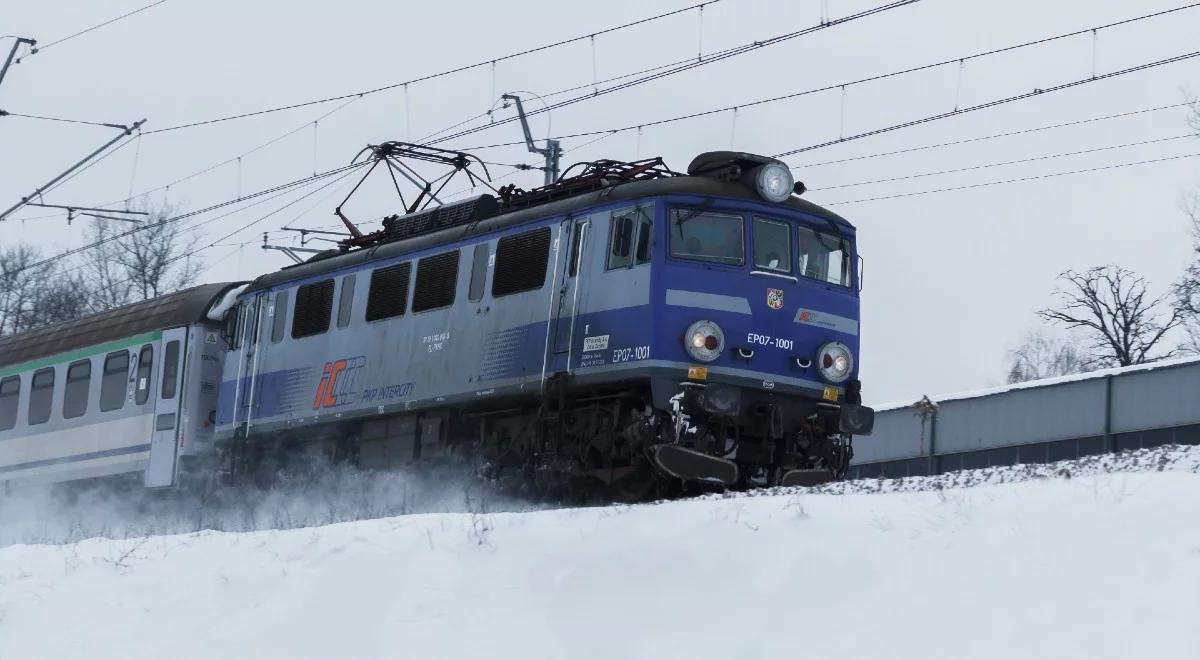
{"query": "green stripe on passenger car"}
pixel 80 354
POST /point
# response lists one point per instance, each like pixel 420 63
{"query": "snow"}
pixel 1089 559
pixel 1046 382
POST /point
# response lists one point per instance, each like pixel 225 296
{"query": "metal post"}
pixel 553 148
pixel 13 53
pixel 1108 437
pixel 127 130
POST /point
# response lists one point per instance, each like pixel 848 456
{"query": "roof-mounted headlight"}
pixel 835 362
pixel 774 182
pixel 704 341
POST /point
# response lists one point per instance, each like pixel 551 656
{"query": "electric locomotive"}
pixel 620 327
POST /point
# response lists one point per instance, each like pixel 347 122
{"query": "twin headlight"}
pixel 704 341
pixel 835 362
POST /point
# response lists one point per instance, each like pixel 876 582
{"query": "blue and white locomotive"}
pixel 625 327
pixel 614 327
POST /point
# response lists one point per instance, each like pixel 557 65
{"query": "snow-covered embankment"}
pixel 1093 566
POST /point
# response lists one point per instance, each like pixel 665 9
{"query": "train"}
pixel 620 329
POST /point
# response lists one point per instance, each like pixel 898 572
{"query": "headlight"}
pixel 835 362
pixel 704 341
pixel 774 182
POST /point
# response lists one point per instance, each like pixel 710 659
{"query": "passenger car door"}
pixel 167 390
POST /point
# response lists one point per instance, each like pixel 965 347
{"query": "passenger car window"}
pixel 479 264
pixel 437 279
pixel 314 307
pixel 388 296
pixel 170 369
pixel 521 262
pixel 112 382
pixel 707 236
pixel 345 301
pixel 772 246
pixel 41 395
pixel 144 370
pixel 824 257
pixel 75 394
pixel 10 395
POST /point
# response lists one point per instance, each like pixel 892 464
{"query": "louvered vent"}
pixel 440 217
pixel 521 262
pixel 389 292
pixel 314 305
pixel 437 277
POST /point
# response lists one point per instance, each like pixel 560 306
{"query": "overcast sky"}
pixel 952 279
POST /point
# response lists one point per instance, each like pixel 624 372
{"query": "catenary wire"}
pixel 98 26
pixel 487 62
pixel 860 81
pixel 1003 163
pixel 992 136
pixel 281 187
pixel 5 113
pixel 691 64
pixel 991 104
pixel 1007 181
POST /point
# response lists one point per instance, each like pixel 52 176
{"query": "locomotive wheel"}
pixel 638 485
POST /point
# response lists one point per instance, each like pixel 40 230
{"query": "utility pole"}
pixel 13 53
pixel 125 130
pixel 553 149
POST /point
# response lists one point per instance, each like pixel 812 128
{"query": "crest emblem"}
pixel 775 298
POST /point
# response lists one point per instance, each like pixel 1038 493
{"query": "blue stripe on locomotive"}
pixel 625 318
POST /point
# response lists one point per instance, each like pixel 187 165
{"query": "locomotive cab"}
pixel 762 303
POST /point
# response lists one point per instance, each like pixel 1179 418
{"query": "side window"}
pixel 75 395
pixel 620 241
pixel 144 370
pixel 577 232
pixel 279 320
pixel 479 266
pixel 437 279
pixel 41 395
pixel 249 323
pixel 388 296
pixel 232 337
pixel 314 307
pixel 629 240
pixel 772 246
pixel 346 301
pixel 644 240
pixel 112 383
pixel 521 262
pixel 170 369
pixel 10 395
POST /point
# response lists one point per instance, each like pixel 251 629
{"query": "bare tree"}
pixel 32 296
pixel 1045 355
pixel 1187 288
pixel 131 266
pixel 1112 306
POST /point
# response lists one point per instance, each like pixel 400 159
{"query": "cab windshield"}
pixel 707 236
pixel 824 257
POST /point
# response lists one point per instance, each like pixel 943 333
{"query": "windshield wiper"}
pixel 693 212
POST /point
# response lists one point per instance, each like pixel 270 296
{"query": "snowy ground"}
pixel 1103 563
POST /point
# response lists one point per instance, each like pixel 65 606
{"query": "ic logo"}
pixel 338 385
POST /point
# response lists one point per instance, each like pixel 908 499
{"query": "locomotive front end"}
pixel 762 317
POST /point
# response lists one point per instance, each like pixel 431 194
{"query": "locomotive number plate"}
pixel 831 394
